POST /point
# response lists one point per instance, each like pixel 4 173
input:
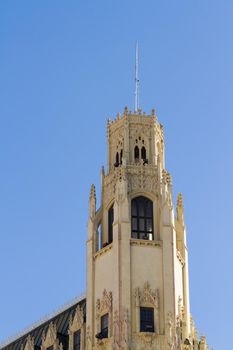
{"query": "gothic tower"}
pixel 137 261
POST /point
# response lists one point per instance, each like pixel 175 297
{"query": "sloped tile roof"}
pixel 60 319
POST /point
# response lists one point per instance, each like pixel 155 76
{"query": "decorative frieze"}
pixel 139 177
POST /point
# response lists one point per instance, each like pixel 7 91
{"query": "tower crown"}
pixel 137 265
pixel 134 138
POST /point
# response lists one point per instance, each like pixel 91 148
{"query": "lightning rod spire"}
pixel 136 93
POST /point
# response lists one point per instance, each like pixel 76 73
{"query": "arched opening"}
pixel 143 153
pixel 136 154
pixel 117 160
pixel 99 238
pixel 142 218
pixel 110 224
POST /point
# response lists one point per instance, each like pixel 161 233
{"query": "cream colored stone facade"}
pixel 128 273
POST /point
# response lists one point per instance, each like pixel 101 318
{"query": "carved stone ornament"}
pixel 170 332
pixel 148 341
pixel 105 304
pixel 138 177
pixel 147 296
pixel 77 322
pixel 121 331
pixel 137 130
pixel 116 331
pixel 88 338
pixel 125 330
pixel 29 345
pixel 50 338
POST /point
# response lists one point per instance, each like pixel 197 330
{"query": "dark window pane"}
pixel 142 224
pixel 104 326
pixel 146 319
pixel 134 224
pixel 50 348
pixel 77 340
pixel 141 209
pixel 149 209
pixel 134 209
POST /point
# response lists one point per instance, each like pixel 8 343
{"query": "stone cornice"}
pixel 147 243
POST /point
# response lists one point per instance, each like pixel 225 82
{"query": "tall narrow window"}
pixel 146 319
pixel 110 224
pixel 142 218
pixel 77 340
pixel 136 154
pixel 99 238
pixel 143 153
pixel 104 326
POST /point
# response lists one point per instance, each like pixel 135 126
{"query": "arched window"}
pixel 136 153
pixel 142 218
pixel 110 223
pixel 143 153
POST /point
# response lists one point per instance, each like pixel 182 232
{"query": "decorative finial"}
pixel 153 112
pixel 92 202
pixel 126 110
pixel 169 179
pixel 180 200
pixel 92 191
pixel 180 208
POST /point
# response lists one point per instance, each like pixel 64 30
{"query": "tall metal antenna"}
pixel 136 93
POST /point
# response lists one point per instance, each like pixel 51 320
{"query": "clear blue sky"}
pixel 65 67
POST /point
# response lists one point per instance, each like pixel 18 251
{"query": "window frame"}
pixel 77 346
pixel 142 221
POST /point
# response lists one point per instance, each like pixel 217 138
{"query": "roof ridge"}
pixel 44 319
